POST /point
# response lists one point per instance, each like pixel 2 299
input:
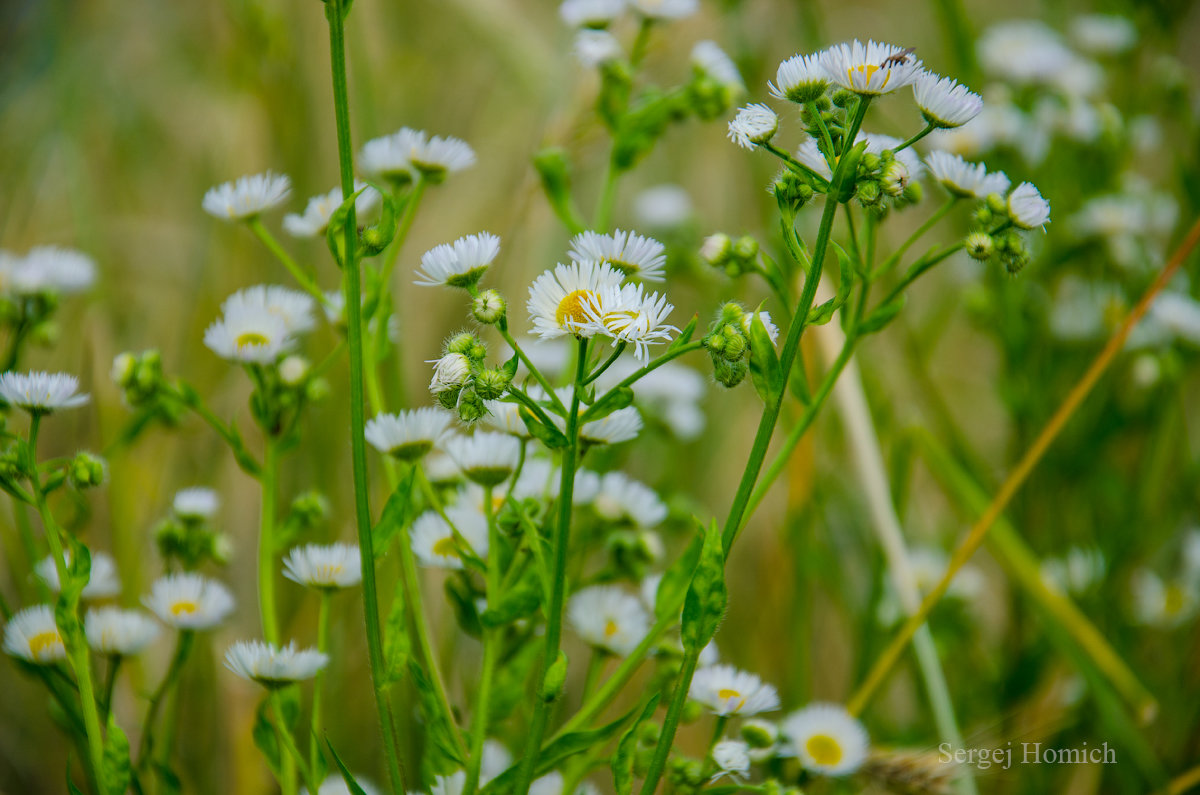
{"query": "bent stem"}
pixel 335 12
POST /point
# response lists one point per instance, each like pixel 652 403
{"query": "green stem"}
pixel 641 42
pixel 402 230
pixel 183 647
pixel 314 743
pixel 793 163
pixel 891 261
pixel 919 268
pixel 608 197
pixel 928 129
pixel 287 778
pixel 554 612
pixel 266 541
pixel 76 645
pixel 110 681
pixel 535 372
pixel 302 278
pixel 335 11
pixel 491 648
pixel 599 371
pixel 671 722
pixel 640 373
pixel 816 114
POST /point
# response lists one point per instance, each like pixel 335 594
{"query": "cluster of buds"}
pixel 735 257
pixel 884 180
pixel 188 538
pixel 461 382
pixel 1004 242
pixel 792 191
pixel 728 343
pixel 139 376
pixel 86 471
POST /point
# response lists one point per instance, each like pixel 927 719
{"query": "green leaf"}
pixel 115 771
pixel 335 232
pixel 509 368
pixel 265 738
pixel 351 784
pixel 396 515
pixel 622 763
pixel 765 371
pixel 522 599
pixel 704 607
pixel 397 645
pixel 882 315
pixel 440 725
pixel 685 336
pixel 676 579
pixel 552 167
pixel 614 399
pixel 71 788
pixel 462 599
pixel 820 315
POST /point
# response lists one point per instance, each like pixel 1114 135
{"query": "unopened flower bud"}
pixel 869 163
pixel 293 370
pixel 760 733
pixel 868 192
pixel 716 249
pixel 729 374
pixel 843 98
pixel 122 371
pixel 895 178
pixel 983 216
pixel 87 470
pixel 979 246
pixel 310 508
pixel 462 343
pixel 492 384
pixel 450 372
pixel 470 406
pixel 745 248
pixel 488 307
pixel 996 203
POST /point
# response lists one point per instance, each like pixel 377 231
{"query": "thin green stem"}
pixel 314 743
pixel 919 268
pixel 287 777
pixel 793 163
pixel 928 129
pixel 641 42
pixel 650 367
pixel 534 371
pixel 266 541
pixel 402 230
pixel 940 213
pixel 608 197
pixel 110 681
pixel 607 363
pixel 183 647
pixel 491 649
pixel 554 611
pixel 335 11
pixel 671 722
pixel 816 114
pixel 303 279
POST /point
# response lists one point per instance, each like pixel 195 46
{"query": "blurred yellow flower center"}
pixel 446 547
pixel 181 608
pixel 250 338
pixel 42 642
pixel 328 572
pixel 572 309
pixel 610 628
pixel 726 693
pixel 823 749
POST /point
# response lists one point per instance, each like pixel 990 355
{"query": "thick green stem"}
pixel 335 11
pixel 266 541
pixel 554 612
pixel 314 742
pixel 671 722
pixel 491 648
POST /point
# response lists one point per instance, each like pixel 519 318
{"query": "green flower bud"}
pixel 868 192
pixel 448 398
pixel 316 389
pixel 488 307
pixel 913 192
pixel 309 509
pixel 983 216
pixel 869 163
pixel 555 680
pixel 471 407
pixel 87 470
pixel 996 203
pixel 463 343
pixel 760 733
pixel 1016 261
pixel 745 248
pixel 10 464
pixel 492 384
pixel 730 374
pixel 843 98
pixel 716 249
pixel 123 367
pixel 979 246
pixel 648 732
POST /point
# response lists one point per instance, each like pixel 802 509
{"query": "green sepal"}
pixel 704 607
pixel 765 371
pixel 397 514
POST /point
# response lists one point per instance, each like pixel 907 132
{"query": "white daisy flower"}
pixel 496 758
pixel 800 79
pixel 1160 602
pixel 458 264
pixel 1076 571
pixel 1027 208
pixel 389 156
pixel 663 206
pixel 754 124
pixel 595 48
pixel 1103 34
pixel 549 784
pixel 449 372
pixel 541 480
pixel 623 498
pixel 433 541
pixel 712 61
pixel 250 335
pixel 102 582
pixel 827 739
pixel 590 13
pixel 41 392
pixel 51 269
pixel 630 315
pixel 810 155
pixel 765 317
pixel 189 601
pixel 113 631
pixel 944 102
pixel 732 757
pixel 324 567
pixel 620 426
pixel 408 435
pixel 196 502
pixel 607 617
pixel 963 179
pixel 727 691
pixel 273 666
pixel 870 69
pixel 320 209
pixel 629 253
pixel 558 299
pixel 248 197
pixel 336 785
pixel 293 307
pixel 486 458
pixel 32 635
pixel 441 155
pixel 665 9
pixel 1024 51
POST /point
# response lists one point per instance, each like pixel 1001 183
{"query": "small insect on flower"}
pixel 248 197
pixel 870 69
pixel 1027 208
pixel 827 739
pixel 117 632
pixel 273 666
pixel 249 335
pixel 41 392
pixel 434 542
pixel 486 458
pixel 628 252
pixel 944 103
pixel 559 299
pixel 196 503
pixel 102 581
pixel 725 690
pixel 324 567
pixel 754 124
pixel 459 264
pixel 608 618
pixel 962 179
pixel 408 435
pixel 189 601
pixel 32 635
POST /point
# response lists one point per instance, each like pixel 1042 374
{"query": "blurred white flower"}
pixel 196 502
pixel 590 13
pixel 963 179
pixel 596 47
pixel 1160 602
pixel 325 567
pixel 1103 34
pixel 712 61
pixel 458 264
pixel 665 9
pixel 41 392
pixel 725 690
pixel 315 219
pixel 247 197
pixel 433 540
pixel 293 307
pixel 732 757
pixel 189 601
pixel 408 435
pixel 102 581
pixel 47 269
pixel 33 635
pixel 486 457
pixel 629 253
pixel 623 498
pixel 607 617
pixel 663 206
pixel 248 334
pixel 1076 572
pixel 273 666
pixel 113 631
pixel 827 739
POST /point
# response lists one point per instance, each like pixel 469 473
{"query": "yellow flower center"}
pixel 184 608
pixel 610 628
pixel 446 547
pixel 42 643
pixel 250 338
pixel 727 693
pixel 572 309
pixel 824 750
pixel 867 71
pixel 328 572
